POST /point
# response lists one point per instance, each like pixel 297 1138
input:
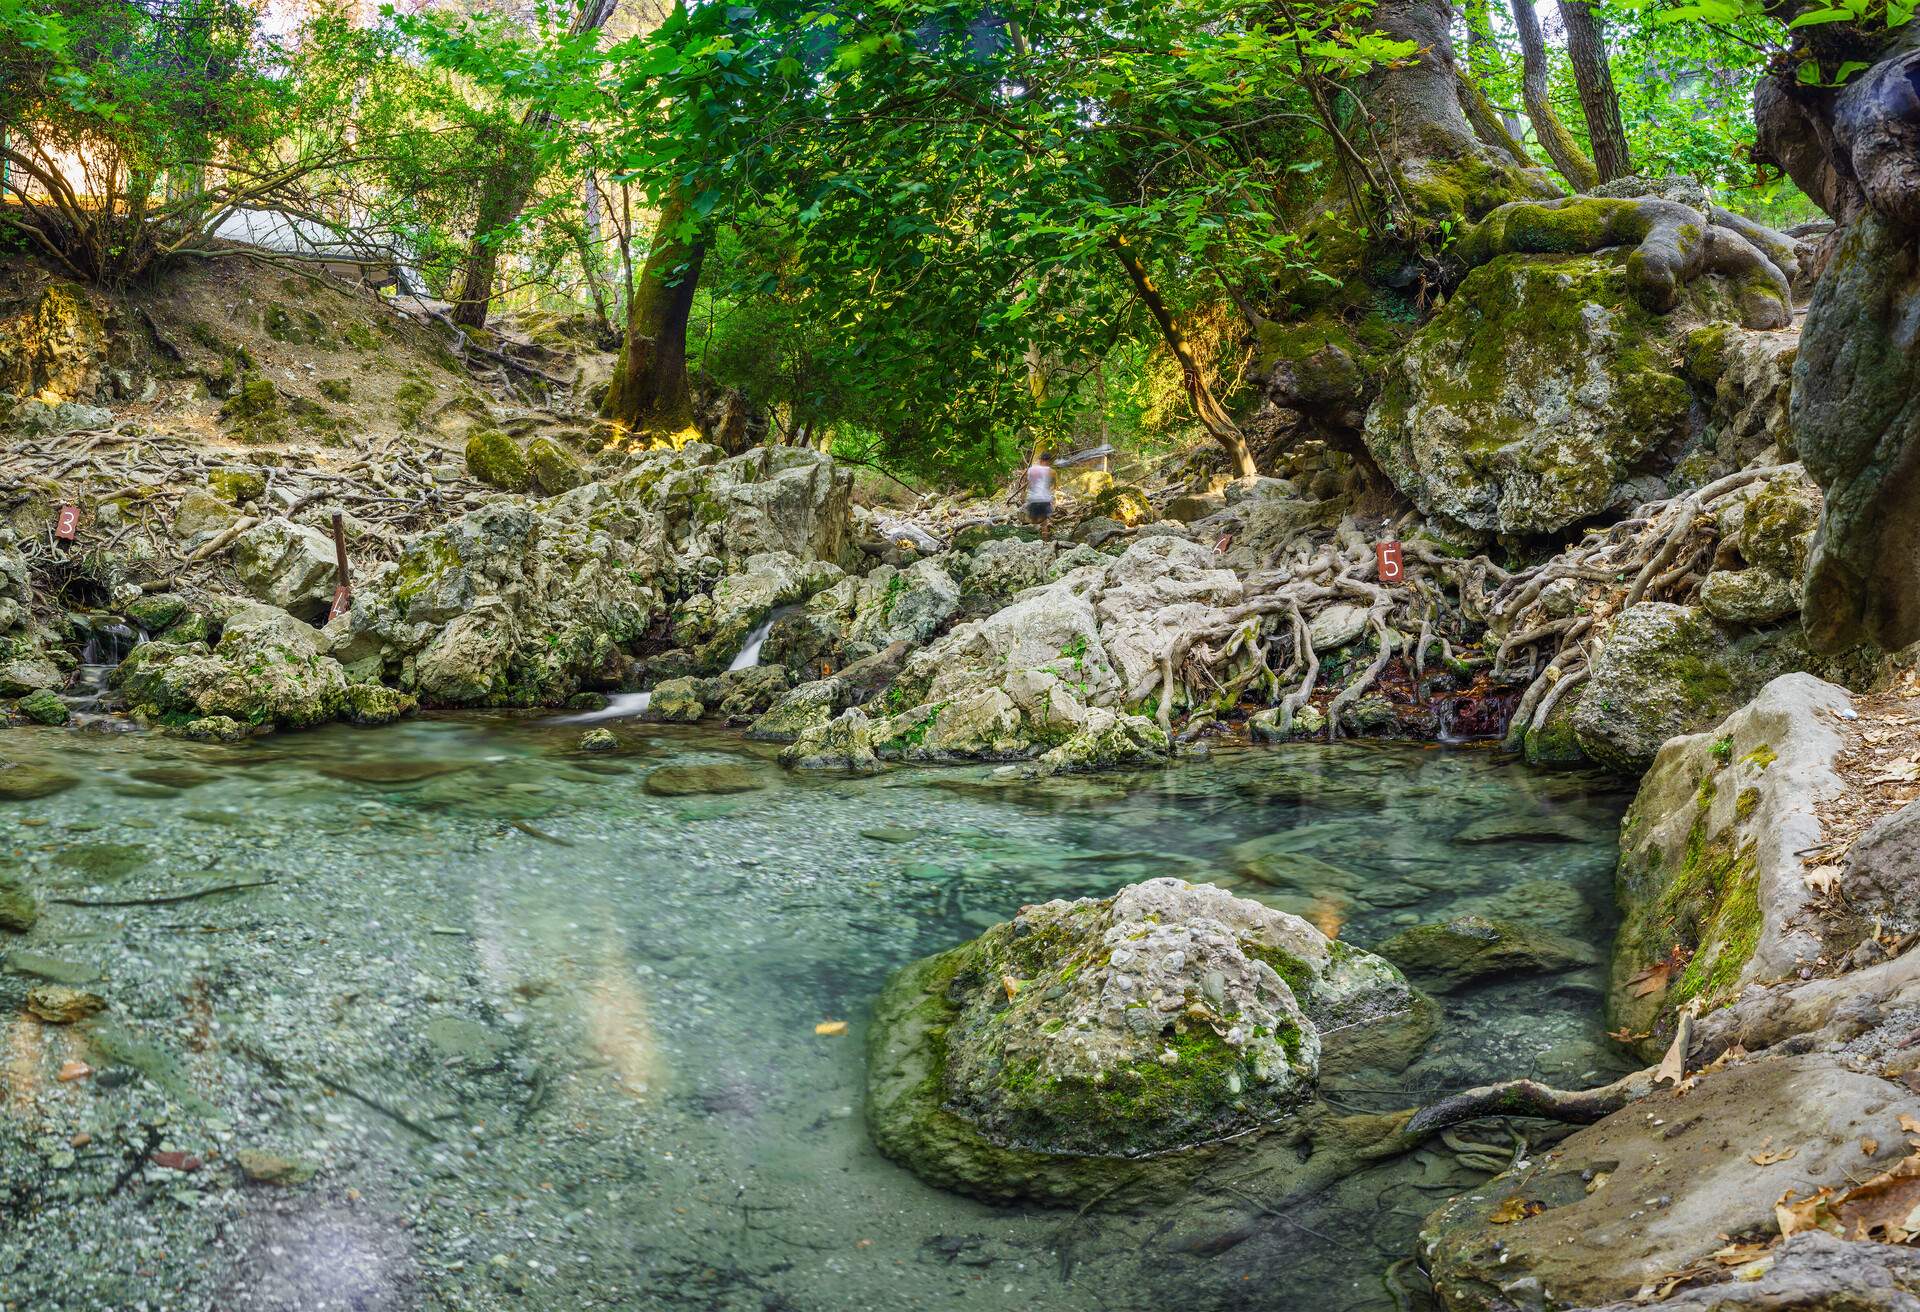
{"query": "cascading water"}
pixel 622 705
pixel 107 645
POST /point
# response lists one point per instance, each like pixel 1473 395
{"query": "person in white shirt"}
pixel 1040 493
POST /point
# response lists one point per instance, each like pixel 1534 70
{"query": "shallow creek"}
pixel 547 1034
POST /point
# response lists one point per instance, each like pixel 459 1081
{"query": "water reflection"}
pixel 544 1037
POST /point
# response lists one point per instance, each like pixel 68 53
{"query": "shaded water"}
pixel 547 1033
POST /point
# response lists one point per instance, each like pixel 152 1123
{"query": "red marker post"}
pixel 68 524
pixel 1387 556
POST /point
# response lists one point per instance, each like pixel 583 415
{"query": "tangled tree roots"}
pixel 1666 552
pixel 1265 638
pixel 1674 244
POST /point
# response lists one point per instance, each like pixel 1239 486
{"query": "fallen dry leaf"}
pixel 1822 879
pixel 1908 1124
pixel 1651 980
pixel 1868 1147
pixel 1011 985
pixel 1741 1254
pixel 1514 1209
pixel 1768 1159
pixel 830 1028
pixel 1885 1208
pixel 1625 1035
pixel 1811 1213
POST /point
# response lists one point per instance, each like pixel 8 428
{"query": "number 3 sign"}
pixel 1387 554
pixel 69 523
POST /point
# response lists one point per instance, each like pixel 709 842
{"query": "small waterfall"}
pixel 619 705
pixel 750 652
pixel 88 696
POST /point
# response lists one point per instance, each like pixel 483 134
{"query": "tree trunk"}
pixel 1855 411
pixel 1206 405
pixel 1587 48
pixel 649 391
pixel 507 189
pixel 1561 148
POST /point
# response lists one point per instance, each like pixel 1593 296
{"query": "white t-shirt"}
pixel 1040 483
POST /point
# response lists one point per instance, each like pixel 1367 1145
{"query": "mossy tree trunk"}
pixel 1571 162
pixel 1599 102
pixel 649 392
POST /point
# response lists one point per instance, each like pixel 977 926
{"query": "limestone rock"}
pixel 56 1004
pixel 1665 670
pixel 1657 1188
pixel 1749 596
pixel 1707 858
pixel 552 467
pixel 599 740
pixel 53 345
pixel 1136 1027
pixel 1337 625
pixel 28 672
pixel 200 517
pixel 269 668
pixel 844 743
pixel 287 565
pixel 676 702
pixel 1471 948
pixel 1856 425
pixel 1536 396
pixel 369 704
pixel 807 706
pixel 1880 882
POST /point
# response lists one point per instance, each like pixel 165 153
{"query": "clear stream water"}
pixel 547 1037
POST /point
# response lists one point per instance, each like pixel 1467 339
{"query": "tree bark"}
pixel 1855 412
pixel 1561 148
pixel 1213 416
pixel 649 392
pixel 1599 102
pixel 507 188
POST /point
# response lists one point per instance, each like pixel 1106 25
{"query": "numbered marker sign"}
pixel 1387 554
pixel 342 599
pixel 69 523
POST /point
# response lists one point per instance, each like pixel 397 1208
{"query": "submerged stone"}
pixel 599 740
pixel 1471 948
pixel 42 706
pixel 1086 1042
pixel 103 861
pixel 18 907
pixel 57 1004
pixel 692 780
pixel 22 782
pixel 388 773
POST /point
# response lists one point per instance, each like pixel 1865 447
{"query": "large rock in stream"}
pixel 1113 1047
pixel 1710 889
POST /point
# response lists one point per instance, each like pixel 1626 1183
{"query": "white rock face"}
pixel 287 565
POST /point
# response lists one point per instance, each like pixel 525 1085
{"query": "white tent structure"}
pixel 375 262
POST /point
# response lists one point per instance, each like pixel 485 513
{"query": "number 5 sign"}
pixel 1387 555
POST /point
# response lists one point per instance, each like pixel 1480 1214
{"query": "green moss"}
pixel 1288 967
pixel 410 401
pixel 361 338
pixel 896 588
pixel 553 468
pixel 1723 749
pixel 337 390
pixel 253 410
pixel 298 327
pixel 234 486
pixel 495 459
pixel 1746 803
pixel 1760 757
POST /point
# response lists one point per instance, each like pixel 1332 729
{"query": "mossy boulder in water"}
pixel 19 909
pixel 268 669
pixel 1086 1043
pixel 1665 670
pixel 1712 891
pixel 42 706
pixel 1471 948
pixel 25 781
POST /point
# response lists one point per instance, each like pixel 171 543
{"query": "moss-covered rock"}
pixel 1665 670
pixel 1533 399
pixel 23 781
pixel 1124 505
pixel 552 467
pixel 234 486
pixel 974 534
pixel 496 460
pixel 253 410
pixel 677 701
pixel 42 707
pixel 1087 1045
pixel 373 704
pixel 1710 883
pixel 268 669
pixel 19 908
